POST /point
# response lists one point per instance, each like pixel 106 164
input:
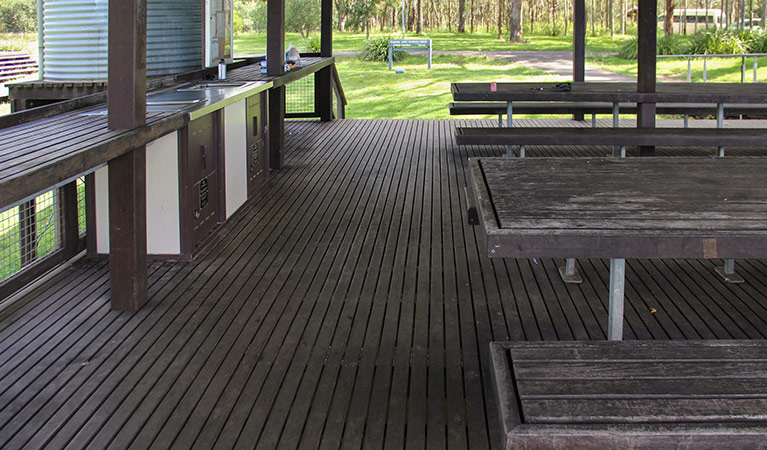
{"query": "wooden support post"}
pixel 276 127
pixel 126 96
pixel 275 66
pixel 28 232
pixel 323 81
pixel 324 99
pixel 579 44
pixel 646 67
pixel 127 230
pixel 326 29
pixel 70 231
pixel 127 174
pixel 90 214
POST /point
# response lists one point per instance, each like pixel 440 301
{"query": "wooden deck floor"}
pixel 350 306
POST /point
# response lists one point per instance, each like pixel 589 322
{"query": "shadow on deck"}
pixel 349 306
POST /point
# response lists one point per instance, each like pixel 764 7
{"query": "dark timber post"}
pixel 646 66
pixel 70 231
pixel 324 77
pixel 579 44
pixel 275 57
pixel 126 101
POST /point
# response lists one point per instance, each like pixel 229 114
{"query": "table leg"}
pixel 617 281
pixel 509 123
pixel 616 124
pixel 727 272
pixel 569 272
pixel 720 122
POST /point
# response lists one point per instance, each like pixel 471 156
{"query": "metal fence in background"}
pixel 744 58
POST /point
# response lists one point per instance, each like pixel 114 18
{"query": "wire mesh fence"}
pixel 299 96
pixel 81 224
pixel 29 233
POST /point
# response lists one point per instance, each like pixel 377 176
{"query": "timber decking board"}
pixel 349 305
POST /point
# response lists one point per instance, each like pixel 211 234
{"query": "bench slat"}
pixel 559 409
pixel 695 109
pixel 705 137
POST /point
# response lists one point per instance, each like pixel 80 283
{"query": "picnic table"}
pixel 618 208
pixel 617 94
pixel 630 394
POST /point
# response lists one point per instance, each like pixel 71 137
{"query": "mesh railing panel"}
pixel 29 232
pixel 10 258
pixel 299 96
pixel 81 224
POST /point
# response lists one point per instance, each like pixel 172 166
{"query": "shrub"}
pixel 11 46
pixel 665 45
pixel 18 16
pixel 759 43
pixel 719 41
pixel 629 49
pixel 313 45
pixel 378 50
pixel 673 45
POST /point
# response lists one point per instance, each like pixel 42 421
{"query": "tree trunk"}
pixel 623 17
pixel 500 18
pixel 515 21
pixel 471 16
pixel 611 12
pixel 419 18
pixel 461 16
pixel 667 21
pixel 764 14
pixel 553 18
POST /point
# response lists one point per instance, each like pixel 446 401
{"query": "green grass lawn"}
pixel 373 91
pixel 252 43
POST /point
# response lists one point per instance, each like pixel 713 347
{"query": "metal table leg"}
pixel 509 111
pixel 720 122
pixel 569 272
pixel 617 282
pixel 616 124
pixel 727 272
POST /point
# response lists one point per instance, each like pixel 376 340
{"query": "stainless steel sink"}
pixel 164 105
pixel 171 102
pixel 214 85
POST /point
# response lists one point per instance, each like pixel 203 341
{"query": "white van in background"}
pixel 688 21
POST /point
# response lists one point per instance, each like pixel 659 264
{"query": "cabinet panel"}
pixel 257 148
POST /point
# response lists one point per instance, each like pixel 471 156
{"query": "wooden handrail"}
pixel 338 90
pixel 337 82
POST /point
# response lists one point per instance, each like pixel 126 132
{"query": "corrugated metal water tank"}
pixel 75 38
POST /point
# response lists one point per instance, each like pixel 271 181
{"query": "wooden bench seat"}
pixel 686 137
pixel 15 65
pixel 631 394
pixel 675 109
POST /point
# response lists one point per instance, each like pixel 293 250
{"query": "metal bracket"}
pixel 727 272
pixel 569 272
